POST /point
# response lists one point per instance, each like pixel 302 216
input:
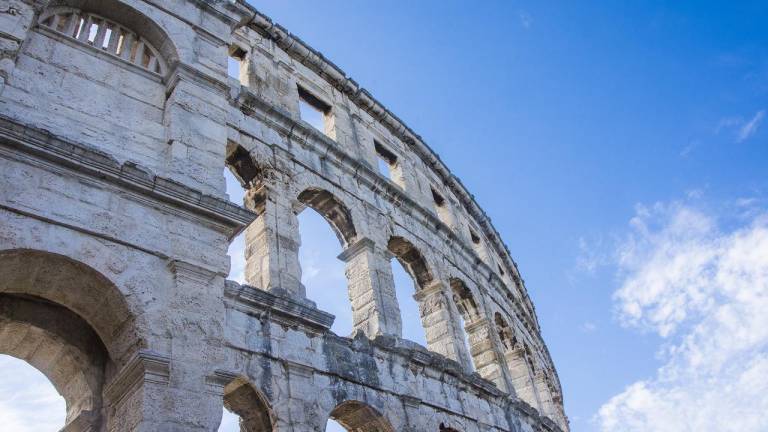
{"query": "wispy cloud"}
pixel 588 327
pixel 704 289
pixel 526 20
pixel 741 128
pixel 749 129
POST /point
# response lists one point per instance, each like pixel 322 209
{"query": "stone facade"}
pixel 117 120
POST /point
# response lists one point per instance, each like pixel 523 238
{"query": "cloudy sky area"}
pixel 620 149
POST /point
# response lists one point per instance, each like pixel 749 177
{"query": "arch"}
pixel 242 166
pixel 464 301
pixel 333 210
pixel 243 399
pixel 412 260
pixel 444 428
pixel 506 335
pixel 356 416
pixel 59 344
pixel 75 286
pixel 130 22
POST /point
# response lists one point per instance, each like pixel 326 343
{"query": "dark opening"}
pixel 439 200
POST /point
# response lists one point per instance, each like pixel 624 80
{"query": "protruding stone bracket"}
pixel 144 367
pixel 280 308
pixel 363 244
pixel 216 382
pixel 190 273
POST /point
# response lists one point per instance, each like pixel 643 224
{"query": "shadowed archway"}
pixel 357 416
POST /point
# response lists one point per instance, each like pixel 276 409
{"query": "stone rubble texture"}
pixel 114 228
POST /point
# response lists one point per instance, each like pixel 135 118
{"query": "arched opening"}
pixel 325 227
pixel 468 313
pixel 444 428
pixel 410 312
pixel 354 416
pixel 67 321
pixel 76 287
pixel 411 274
pixel 28 400
pixel 245 409
pixel 115 25
pixel 241 175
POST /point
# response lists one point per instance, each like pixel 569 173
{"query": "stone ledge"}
pixel 278 305
pixel 41 143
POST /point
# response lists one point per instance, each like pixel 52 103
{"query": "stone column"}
pixel 371 289
pixel 520 375
pixel 272 243
pixel 484 353
pixel 195 118
pixel 545 396
pixel 169 390
pixel 16 18
pixel 441 323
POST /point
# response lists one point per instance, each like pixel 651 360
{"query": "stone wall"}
pixel 117 120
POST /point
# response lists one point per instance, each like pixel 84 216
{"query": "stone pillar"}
pixel 441 324
pixel 520 375
pixel 169 390
pixel 371 289
pixel 545 396
pixel 272 243
pixel 16 18
pixel 484 353
pixel 195 118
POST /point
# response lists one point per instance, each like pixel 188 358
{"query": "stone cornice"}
pixel 41 143
pixel 261 301
pixel 314 60
pixel 357 247
pixel 145 366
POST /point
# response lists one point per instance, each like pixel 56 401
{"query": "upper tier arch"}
pixel 116 28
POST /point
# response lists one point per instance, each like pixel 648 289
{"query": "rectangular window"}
pixel 473 235
pixel 235 62
pixel 442 209
pixel 439 200
pixel 387 160
pixel 313 110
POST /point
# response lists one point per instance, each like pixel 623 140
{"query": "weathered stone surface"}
pixel 114 226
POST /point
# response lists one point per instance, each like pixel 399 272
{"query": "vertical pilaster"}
pixel 545 396
pixel 272 243
pixel 441 323
pixel 520 374
pixel 484 353
pixel 195 118
pixel 371 289
pixel 16 18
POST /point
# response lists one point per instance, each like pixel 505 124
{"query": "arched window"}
pixel 356 416
pixel 245 409
pixel 241 175
pixel 105 35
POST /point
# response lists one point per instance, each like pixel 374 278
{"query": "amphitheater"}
pixel 117 121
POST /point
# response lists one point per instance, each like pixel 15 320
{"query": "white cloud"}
pixel 588 327
pixel 742 129
pixel 704 289
pixel 526 20
pixel 749 128
pixel 28 401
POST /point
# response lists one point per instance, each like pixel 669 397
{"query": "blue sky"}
pixel 621 150
pixel 584 119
